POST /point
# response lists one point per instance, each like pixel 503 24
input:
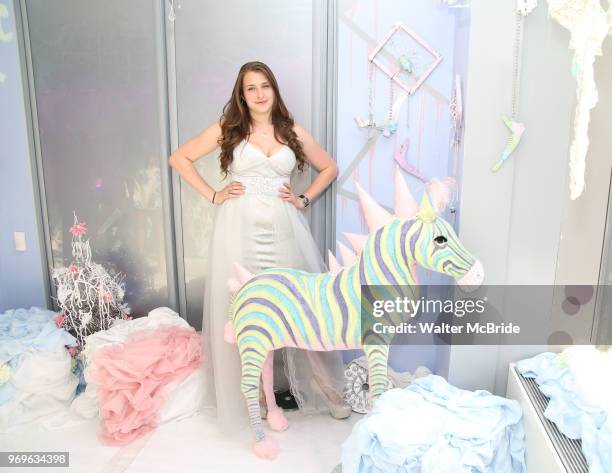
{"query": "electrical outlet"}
pixel 20 241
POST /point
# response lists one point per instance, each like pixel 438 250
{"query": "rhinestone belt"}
pixel 261 185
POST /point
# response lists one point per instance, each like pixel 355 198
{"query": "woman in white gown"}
pixel 259 224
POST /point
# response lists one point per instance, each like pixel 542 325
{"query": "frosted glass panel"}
pixel 99 99
pixel 213 39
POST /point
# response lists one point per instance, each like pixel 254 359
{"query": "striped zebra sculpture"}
pixel 290 308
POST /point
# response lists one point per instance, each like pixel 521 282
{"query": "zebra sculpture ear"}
pixel 440 192
pixel 426 211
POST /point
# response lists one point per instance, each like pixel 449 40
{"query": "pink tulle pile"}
pixel 132 378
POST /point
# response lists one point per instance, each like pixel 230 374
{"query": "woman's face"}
pixel 258 92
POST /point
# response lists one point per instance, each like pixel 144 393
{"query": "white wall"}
pixel 21 273
pixel 520 221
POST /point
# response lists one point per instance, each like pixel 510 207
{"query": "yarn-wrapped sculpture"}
pixel 280 308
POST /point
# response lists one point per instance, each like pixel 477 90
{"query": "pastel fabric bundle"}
pixel 133 378
pixel 36 383
pixel 579 387
pixel 434 427
pixel 33 329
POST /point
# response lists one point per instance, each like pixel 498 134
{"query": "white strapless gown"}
pixel 259 230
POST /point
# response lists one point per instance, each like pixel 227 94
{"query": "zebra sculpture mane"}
pixel 322 311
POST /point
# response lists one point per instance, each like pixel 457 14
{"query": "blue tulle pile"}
pixel 434 427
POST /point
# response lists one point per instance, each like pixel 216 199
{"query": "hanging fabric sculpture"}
pixel 515 128
pixel 588 24
pixel 289 308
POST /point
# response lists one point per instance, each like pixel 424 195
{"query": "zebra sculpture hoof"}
pixel 266 449
pixel 277 420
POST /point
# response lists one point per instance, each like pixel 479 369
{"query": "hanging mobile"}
pixel 408 62
pixel 456 3
pixel 456 114
pixel 391 126
pixel 406 65
pixel 515 128
pixel 172 14
pixel 361 123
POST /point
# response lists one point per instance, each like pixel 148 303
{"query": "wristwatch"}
pixel 305 199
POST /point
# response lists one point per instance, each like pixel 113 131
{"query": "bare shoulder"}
pixel 216 127
pixel 303 134
pixel 313 151
pixel 298 129
pixel 213 132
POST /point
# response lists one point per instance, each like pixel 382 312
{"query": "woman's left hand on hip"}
pixel 286 193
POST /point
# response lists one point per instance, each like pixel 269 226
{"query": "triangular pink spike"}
pixel 242 274
pixel 334 266
pixel 234 285
pixel 348 256
pixel 406 206
pixel 357 241
pixel 375 215
pixel 229 334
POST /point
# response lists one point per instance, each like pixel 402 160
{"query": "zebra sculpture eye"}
pixel 440 240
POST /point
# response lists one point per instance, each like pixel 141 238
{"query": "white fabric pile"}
pixel 36 380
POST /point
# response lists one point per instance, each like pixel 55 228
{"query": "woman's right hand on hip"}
pixel 232 190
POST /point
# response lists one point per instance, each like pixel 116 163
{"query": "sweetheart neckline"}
pixel 262 152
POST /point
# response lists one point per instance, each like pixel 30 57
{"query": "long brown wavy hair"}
pixel 236 119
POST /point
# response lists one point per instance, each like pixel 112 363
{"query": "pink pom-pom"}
pixel 266 449
pixel 277 420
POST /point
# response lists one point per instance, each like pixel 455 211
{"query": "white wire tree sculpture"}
pixel 90 299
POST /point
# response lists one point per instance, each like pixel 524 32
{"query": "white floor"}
pixel 310 445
